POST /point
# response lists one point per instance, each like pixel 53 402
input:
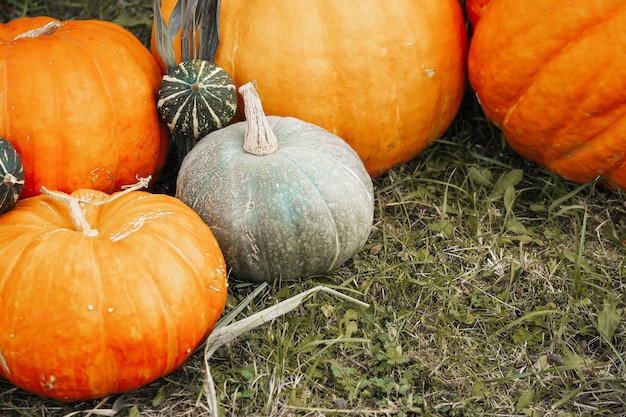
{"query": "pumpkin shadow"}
pixel 166 183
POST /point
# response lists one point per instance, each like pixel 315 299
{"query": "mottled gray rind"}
pixel 301 211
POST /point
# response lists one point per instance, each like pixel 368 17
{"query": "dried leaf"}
pixel 188 42
pixel 209 24
pixel 175 19
pixel 164 40
pixel 197 17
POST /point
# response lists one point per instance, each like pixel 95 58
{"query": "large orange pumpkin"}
pixel 387 77
pixel 548 74
pixel 91 311
pixel 78 100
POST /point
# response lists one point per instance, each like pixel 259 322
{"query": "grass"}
pixel 496 289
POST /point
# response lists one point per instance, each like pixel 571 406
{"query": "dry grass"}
pixel 496 289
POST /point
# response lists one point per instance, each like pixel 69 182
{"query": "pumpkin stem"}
pixel 47 29
pixel 259 137
pixel 10 180
pixel 77 214
pixel 76 211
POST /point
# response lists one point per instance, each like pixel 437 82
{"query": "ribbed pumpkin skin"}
pixel 547 75
pixel 197 98
pixel 79 105
pixel 11 174
pixel 387 78
pixel 303 210
pixel 84 317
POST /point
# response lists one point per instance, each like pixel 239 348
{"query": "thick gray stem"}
pixel 260 138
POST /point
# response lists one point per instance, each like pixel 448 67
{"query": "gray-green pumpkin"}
pixel 285 199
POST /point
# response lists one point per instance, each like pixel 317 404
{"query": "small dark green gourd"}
pixel 196 96
pixel 286 199
pixel 12 173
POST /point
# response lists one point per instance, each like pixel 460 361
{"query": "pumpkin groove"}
pixel 474 10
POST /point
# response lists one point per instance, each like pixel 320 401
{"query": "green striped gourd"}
pixel 12 172
pixel 196 98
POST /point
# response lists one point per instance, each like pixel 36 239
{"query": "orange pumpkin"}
pixel 474 9
pixel 546 73
pixel 79 104
pixel 387 78
pixel 106 303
